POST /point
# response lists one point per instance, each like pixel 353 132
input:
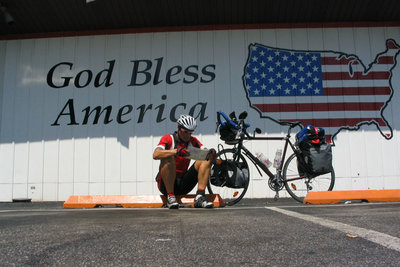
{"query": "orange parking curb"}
pixel 133 201
pixel 333 197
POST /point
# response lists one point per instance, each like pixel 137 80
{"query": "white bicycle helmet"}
pixel 187 122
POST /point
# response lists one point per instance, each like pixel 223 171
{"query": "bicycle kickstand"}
pixel 276 197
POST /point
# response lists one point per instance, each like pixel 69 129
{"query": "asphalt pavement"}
pixel 255 232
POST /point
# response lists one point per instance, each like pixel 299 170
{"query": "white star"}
pixel 294 86
pixel 270 58
pixel 271 69
pixel 279 86
pixel 255 69
pixel 308 62
pixel 262 53
pixel 294 74
pixel 278 75
pixel 309 74
pixel 314 57
pixel 262 63
pixel 256 92
pixel 254 48
pixel 286 80
pixel 301 79
pixel 316 79
pixel 263 87
pixel 300 57
pixel 271 80
pixel 277 53
pixel 287 91
pixel 255 80
pixel 315 68
pixel 271 91
pixel 301 68
pixel 263 75
pixel 285 58
pixel 255 59
pixel 247 75
pixel 286 68
pixel 293 63
pixel 278 63
pixel 316 91
pixel 302 91
pixel 309 85
pixel 248 87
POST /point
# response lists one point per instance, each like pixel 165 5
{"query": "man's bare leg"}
pixel 168 173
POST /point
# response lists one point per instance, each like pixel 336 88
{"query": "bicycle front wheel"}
pixel 218 184
pixel 299 186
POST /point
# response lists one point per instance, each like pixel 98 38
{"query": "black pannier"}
pixel 227 129
pixel 227 132
pixel 315 153
pixel 230 174
pixel 316 159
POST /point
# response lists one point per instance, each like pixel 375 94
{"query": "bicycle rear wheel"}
pixel 218 183
pixel 299 186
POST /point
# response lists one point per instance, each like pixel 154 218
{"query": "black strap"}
pixel 176 140
pixel 175 136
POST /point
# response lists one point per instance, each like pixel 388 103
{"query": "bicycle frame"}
pixel 240 147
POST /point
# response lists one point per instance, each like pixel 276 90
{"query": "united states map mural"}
pixel 329 89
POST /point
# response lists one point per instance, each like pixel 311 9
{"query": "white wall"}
pixel 45 162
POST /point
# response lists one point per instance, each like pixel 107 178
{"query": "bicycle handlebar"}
pixel 242 126
pixel 227 119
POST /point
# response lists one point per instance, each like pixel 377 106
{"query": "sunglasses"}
pixel 186 131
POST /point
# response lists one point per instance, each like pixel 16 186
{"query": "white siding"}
pixel 45 162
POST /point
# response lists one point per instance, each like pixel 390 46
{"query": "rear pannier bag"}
pixel 316 153
pixel 316 159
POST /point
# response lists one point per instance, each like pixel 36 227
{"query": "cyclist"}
pixel 174 177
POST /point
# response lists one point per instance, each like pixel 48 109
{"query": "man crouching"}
pixel 174 177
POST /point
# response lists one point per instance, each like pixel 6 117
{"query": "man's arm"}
pixel 160 153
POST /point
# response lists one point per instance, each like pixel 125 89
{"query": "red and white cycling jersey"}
pixel 182 163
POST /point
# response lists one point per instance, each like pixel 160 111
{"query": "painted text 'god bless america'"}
pixel 64 75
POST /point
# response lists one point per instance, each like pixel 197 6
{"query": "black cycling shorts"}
pixel 183 185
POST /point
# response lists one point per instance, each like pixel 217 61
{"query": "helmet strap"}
pixel 178 134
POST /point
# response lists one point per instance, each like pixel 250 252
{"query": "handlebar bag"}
pixel 227 132
pixel 229 173
pixel 316 159
pixel 227 128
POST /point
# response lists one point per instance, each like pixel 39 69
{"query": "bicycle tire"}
pixel 231 196
pixel 298 189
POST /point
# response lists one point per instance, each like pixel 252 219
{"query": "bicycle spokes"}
pixel 299 186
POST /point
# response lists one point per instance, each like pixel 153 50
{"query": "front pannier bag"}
pixel 230 174
pixel 316 153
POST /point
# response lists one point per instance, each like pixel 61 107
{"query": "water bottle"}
pixel 277 159
pixel 264 159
